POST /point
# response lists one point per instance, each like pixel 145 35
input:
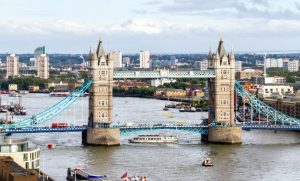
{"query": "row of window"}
pixel 224 101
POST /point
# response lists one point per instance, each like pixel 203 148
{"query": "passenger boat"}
pixel 81 174
pixel 154 139
pixel 207 162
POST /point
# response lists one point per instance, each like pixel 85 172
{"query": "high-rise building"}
pixel 40 51
pixel 118 59
pixel 238 66
pixel 42 62
pixel 12 66
pixel 201 65
pixel 291 66
pixel 126 61
pixel 144 59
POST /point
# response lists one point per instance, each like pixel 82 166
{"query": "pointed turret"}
pixel 221 49
pixel 231 55
pixel 209 57
pixel 100 51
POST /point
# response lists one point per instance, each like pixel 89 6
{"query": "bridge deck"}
pixel 193 128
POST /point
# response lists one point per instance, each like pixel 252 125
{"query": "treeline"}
pixel 134 91
pixel 290 76
pixel 24 82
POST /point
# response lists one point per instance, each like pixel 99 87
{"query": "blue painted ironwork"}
pixel 54 110
pixel 264 109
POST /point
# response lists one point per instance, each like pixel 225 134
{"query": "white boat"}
pixel 154 139
pixel 59 94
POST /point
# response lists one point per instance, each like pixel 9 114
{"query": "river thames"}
pixel 263 155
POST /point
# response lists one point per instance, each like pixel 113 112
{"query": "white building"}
pixel 12 66
pixel 267 90
pixel 158 82
pixel 291 66
pixel 118 59
pixel 42 66
pixel 201 65
pixel 273 62
pixel 238 66
pixel 144 59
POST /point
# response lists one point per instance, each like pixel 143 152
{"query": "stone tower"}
pixel 221 98
pixel 100 100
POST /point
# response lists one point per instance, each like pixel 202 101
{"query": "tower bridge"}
pixel 221 127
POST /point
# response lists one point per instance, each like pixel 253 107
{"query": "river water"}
pixel 263 155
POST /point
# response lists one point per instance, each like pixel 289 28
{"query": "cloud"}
pixel 232 8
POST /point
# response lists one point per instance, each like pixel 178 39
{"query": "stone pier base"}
pixel 223 135
pixel 101 136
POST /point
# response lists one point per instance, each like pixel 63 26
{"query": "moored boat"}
pixel 154 139
pixel 207 162
pixel 59 94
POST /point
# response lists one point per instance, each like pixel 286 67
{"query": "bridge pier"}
pixel 101 136
pixel 223 135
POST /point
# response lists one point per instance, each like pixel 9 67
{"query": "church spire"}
pixel 100 51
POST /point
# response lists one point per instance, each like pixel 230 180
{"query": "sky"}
pixel 160 26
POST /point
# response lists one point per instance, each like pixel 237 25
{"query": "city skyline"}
pixel 179 26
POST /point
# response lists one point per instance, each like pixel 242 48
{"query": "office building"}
pixel 238 66
pixel 291 66
pixel 201 65
pixel 118 59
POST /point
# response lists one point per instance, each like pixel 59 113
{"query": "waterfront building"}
pixel 12 66
pixel 118 59
pixel 12 171
pixel 269 89
pixel 238 66
pixel 201 65
pixel 158 82
pixel 12 87
pixel 144 59
pixel 291 66
pixel 169 92
pixel 42 66
pixel 289 105
pixel 20 151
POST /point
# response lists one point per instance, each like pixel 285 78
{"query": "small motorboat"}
pixel 207 162
pixel 51 145
pixel 166 109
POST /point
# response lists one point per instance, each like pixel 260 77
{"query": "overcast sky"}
pixel 161 26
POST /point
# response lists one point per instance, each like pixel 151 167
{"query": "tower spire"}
pixel 100 51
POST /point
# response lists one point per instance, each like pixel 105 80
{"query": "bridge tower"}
pixel 221 117
pixel 100 116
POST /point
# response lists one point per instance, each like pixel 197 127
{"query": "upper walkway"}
pixel 163 73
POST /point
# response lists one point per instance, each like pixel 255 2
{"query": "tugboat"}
pixel 207 162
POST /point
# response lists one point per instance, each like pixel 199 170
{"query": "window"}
pixel 103 63
pixel 25 157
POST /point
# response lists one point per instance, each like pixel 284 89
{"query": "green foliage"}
pixel 24 82
pixel 134 91
pixel 290 76
pixel 84 75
